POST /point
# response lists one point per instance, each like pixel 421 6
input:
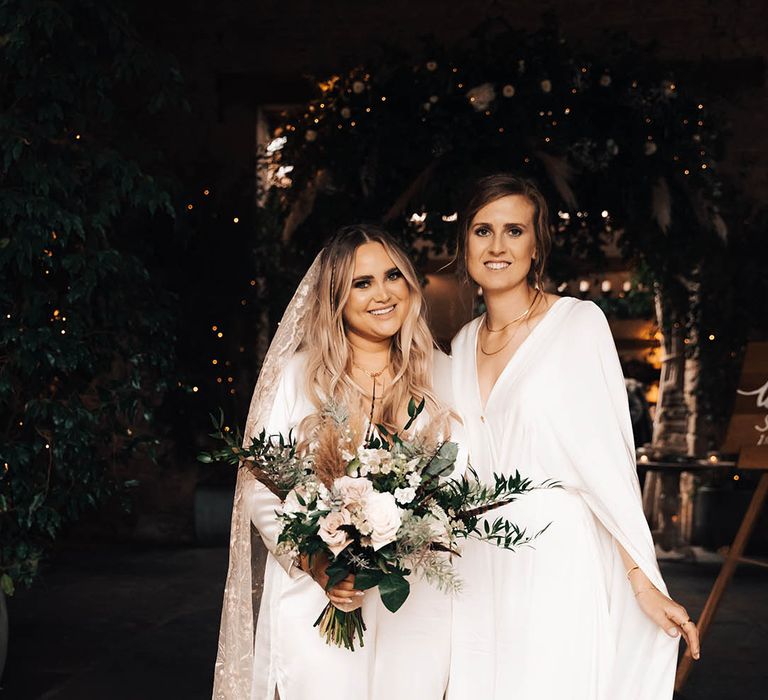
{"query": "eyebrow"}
pixel 367 278
pixel 511 225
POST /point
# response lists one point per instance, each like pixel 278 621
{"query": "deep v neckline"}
pixel 510 361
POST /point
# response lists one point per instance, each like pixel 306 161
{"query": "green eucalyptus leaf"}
pixel 394 590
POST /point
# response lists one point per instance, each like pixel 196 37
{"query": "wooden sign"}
pixel 747 435
pixel 749 423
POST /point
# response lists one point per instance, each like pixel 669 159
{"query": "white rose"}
pixel 335 538
pixel 353 490
pixel 481 96
pixel 383 516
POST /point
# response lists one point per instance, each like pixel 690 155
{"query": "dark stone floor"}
pixel 124 623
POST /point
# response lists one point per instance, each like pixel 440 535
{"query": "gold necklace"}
pixel 514 333
pixel 514 320
pixel 372 375
pixel 496 352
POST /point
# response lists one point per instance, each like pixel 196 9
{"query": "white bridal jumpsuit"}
pixel 557 621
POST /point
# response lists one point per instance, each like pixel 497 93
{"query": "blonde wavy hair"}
pixel 329 359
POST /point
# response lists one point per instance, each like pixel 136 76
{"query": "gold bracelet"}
pixel 631 570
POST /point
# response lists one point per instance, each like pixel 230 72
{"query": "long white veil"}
pixel 234 660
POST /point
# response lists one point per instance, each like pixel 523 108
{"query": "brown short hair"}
pixel 490 188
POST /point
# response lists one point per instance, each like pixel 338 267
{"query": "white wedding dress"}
pixel 406 654
pixel 558 621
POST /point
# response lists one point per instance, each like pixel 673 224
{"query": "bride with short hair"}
pixel 354 334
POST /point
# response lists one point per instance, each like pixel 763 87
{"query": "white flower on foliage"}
pixel 413 479
pixel 384 518
pixel 291 504
pixel 353 491
pixel 323 497
pixel 330 532
pixel 360 523
pixel 481 96
pixel 403 496
pixel 373 461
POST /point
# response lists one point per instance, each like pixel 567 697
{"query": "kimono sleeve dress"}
pixel 557 621
pixel 406 654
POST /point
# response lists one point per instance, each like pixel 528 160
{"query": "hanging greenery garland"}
pixel 618 143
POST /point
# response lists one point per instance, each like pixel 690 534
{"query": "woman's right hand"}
pixel 343 595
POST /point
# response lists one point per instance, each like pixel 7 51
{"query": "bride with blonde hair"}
pixel 354 335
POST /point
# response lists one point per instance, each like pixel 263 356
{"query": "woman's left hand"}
pixel 667 614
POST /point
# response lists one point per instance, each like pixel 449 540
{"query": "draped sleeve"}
pixel 591 418
pixel 262 504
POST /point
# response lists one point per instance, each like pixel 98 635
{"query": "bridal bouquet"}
pixel 379 506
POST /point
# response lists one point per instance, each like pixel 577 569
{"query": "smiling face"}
pixel 380 297
pixel 501 243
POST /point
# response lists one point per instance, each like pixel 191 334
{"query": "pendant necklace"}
pixel 374 376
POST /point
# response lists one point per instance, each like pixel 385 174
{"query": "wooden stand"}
pixel 749 458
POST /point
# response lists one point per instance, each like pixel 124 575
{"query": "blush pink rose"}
pixel 336 539
pixel 353 489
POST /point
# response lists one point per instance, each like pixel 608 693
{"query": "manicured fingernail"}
pixel 696 656
pixel 359 593
pixel 673 632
